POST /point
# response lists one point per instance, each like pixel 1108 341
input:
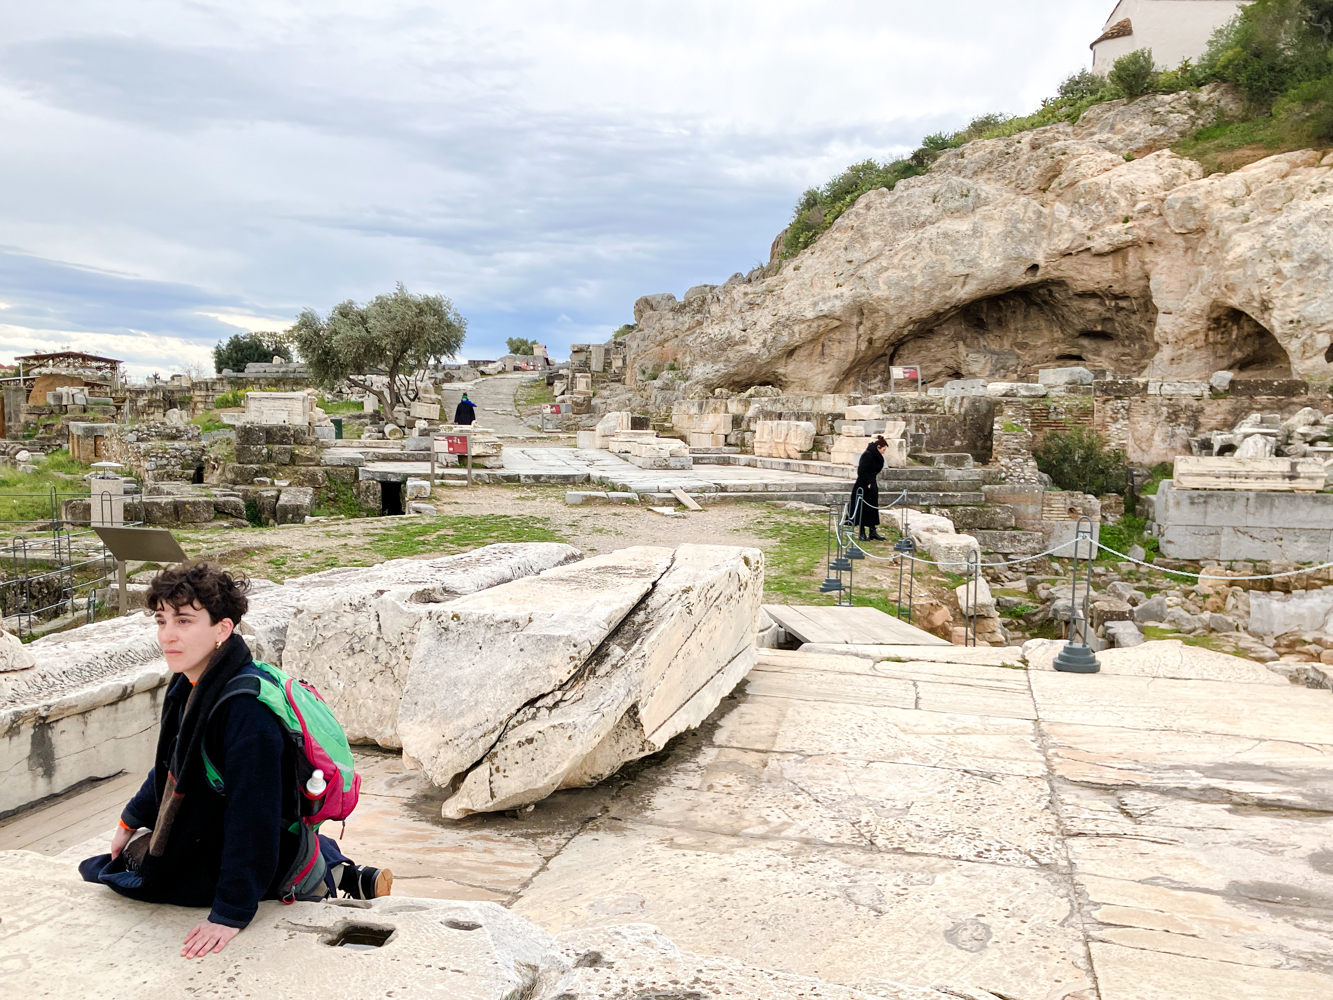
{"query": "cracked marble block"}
pixel 559 679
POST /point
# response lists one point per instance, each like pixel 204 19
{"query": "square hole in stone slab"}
pixel 358 937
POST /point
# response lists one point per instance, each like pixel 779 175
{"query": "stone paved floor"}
pixel 1159 830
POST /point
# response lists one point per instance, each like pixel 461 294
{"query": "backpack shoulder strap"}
pixel 242 684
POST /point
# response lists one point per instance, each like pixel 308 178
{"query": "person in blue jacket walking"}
pixel 466 412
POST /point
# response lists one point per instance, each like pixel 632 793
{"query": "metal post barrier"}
pixel 1077 655
pixel 833 583
pixel 971 591
pixel 906 550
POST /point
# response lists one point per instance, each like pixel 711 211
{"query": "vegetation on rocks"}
pixel 1079 459
pixel 1279 53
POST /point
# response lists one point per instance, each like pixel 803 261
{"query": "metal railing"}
pixel 51 569
pixel 842 558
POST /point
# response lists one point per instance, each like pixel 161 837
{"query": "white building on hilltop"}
pixel 1173 29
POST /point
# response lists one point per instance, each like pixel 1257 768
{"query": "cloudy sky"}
pixel 175 172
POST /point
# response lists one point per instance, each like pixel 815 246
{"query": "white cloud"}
pixel 188 169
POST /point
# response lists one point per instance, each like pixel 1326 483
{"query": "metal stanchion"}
pixel 971 591
pixel 1077 655
pixel 906 550
pixel 833 583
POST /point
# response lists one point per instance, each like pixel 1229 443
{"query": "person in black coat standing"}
pixel 865 494
pixel 466 412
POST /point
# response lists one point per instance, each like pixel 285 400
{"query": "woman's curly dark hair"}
pixel 218 591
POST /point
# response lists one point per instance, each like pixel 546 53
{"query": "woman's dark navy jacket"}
pixel 232 849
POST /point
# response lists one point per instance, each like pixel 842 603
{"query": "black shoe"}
pixel 875 536
pixel 862 536
pixel 364 882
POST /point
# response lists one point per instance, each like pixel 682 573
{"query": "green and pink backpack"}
pixel 328 786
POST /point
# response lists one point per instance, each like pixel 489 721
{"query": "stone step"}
pixel 887 486
pixel 931 474
pixel 839 497
pixel 823 499
pixel 945 460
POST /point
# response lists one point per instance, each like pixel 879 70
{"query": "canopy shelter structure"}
pixel 91 366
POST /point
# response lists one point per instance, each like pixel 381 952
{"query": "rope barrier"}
pixel 1107 548
pixel 847 518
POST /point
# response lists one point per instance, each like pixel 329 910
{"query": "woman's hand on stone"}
pixel 119 840
pixel 207 937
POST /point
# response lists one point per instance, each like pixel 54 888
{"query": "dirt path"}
pixel 494 397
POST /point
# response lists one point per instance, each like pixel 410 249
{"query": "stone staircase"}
pixel 933 486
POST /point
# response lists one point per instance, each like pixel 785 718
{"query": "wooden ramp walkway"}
pixel 866 626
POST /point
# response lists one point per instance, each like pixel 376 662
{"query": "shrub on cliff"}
pixel 1079 459
pixel 1134 74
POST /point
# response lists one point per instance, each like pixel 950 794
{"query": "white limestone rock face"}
pixel 1069 210
pixel 663 670
pixel 352 633
pixel 481 658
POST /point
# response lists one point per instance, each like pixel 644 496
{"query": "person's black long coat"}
pixel 466 412
pixel 866 514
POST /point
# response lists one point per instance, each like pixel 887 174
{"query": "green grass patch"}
pixel 1160 473
pixel 334 407
pixel 457 533
pixel 335 500
pixel 26 496
pixel 209 420
pixel 796 563
pixel 1202 641
pixel 532 393
pixel 1126 532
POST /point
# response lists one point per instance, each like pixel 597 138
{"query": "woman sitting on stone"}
pixel 865 493
pixel 200 847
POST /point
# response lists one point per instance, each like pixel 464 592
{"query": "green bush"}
pixel 234 397
pixel 1082 85
pixel 1134 74
pixel 519 345
pixel 1079 459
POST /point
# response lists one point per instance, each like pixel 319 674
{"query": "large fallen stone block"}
pixel 351 632
pixel 662 671
pixel 481 658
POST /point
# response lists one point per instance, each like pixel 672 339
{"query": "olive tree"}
pixel 396 335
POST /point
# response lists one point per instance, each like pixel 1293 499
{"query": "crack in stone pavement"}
pixel 1076 893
